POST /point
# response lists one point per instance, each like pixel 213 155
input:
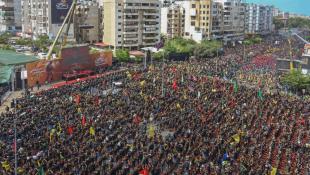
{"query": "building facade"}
pixel 217 21
pixel 131 24
pixel 87 22
pixel 233 20
pixel 38 19
pixel 172 20
pixel 258 19
pixel 10 16
pixel 198 20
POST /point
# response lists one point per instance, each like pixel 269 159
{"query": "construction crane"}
pixel 67 21
pixel 290 47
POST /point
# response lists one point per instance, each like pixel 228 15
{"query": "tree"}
pixel 4 38
pixel 296 80
pixel 122 55
pixel 207 49
pixel 298 22
pixel 180 45
pixel 43 42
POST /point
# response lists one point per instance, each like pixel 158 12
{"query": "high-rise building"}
pixel 172 20
pixel 258 19
pixel 233 20
pixel 198 20
pixel 217 20
pixel 45 17
pixel 87 22
pixel 10 17
pixel 131 24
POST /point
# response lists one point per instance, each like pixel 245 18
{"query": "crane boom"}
pixel 69 15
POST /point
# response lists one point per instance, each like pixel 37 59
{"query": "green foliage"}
pixel 122 55
pixel 180 45
pixel 42 43
pixel 296 80
pixel 295 22
pixel 298 23
pixel 158 55
pixel 6 47
pixel 4 38
pixel 253 40
pixel 207 49
pixel 24 42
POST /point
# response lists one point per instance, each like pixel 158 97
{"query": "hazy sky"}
pixel 295 6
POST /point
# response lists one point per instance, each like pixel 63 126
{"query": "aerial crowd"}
pixel 189 118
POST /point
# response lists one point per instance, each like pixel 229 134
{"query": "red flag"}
pixel 70 130
pixel 174 85
pixel 137 120
pixel 77 99
pixel 96 101
pixel 83 120
pixel 144 172
pixel 14 146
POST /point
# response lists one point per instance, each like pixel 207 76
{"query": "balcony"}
pixel 131 19
pixel 130 32
pixel 151 14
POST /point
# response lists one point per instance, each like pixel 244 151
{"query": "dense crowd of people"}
pixel 196 124
pixel 4 88
pixel 179 118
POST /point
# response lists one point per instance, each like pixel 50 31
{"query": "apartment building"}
pixel 233 20
pixel 172 20
pixel 88 22
pixel 258 19
pixel 45 17
pixel 217 20
pixel 131 24
pixel 10 16
pixel 198 20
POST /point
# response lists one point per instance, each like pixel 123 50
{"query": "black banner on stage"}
pixel 59 10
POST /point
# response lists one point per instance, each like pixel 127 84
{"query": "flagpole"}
pixel 162 77
pixel 15 142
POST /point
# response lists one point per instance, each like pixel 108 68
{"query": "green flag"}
pixel 260 94
pixel 41 171
pixel 235 86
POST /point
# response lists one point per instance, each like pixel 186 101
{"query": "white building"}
pixel 258 19
pixel 233 20
pixel 10 16
pixel 172 20
pixel 131 24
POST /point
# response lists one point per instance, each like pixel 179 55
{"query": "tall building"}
pixel 172 20
pixel 258 19
pixel 131 24
pixel 10 17
pixel 198 21
pixel 217 21
pixel 87 22
pixel 233 20
pixel 45 17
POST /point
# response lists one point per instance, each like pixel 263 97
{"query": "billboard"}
pixel 75 58
pixel 72 59
pixel 59 10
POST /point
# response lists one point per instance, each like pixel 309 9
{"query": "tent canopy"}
pixel 13 58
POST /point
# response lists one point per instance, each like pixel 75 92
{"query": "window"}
pixel 193 5
pixel 119 36
pixel 119 30
pixel 192 23
pixel 119 17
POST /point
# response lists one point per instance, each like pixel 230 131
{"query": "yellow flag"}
pixel 92 131
pixel 151 131
pixel 52 133
pixel 59 129
pixel 273 171
pixel 142 83
pixel 79 110
pixel 236 138
pixel 178 106
pixel 6 166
